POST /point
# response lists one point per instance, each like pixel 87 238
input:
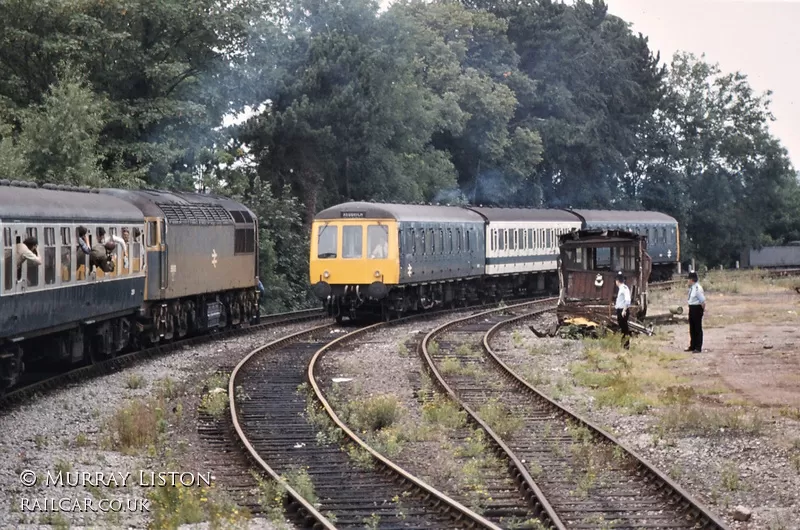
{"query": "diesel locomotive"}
pixel 186 263
pixel 394 258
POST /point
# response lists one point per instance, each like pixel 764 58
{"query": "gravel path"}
pixel 69 431
pixel 752 459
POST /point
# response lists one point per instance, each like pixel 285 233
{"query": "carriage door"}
pixel 156 260
pixel 162 240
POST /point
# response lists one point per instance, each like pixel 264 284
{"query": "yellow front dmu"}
pixel 361 254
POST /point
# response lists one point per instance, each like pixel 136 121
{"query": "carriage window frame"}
pixel 8 260
pixel 32 231
pixel 49 261
pixel 66 254
pixel 501 241
pixel 467 238
pixel 458 240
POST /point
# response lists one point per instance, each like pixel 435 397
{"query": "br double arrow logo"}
pixel 214 257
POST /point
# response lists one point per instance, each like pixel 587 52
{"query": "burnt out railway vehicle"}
pixel 590 260
pixel 447 255
pixel 191 266
pixel 661 231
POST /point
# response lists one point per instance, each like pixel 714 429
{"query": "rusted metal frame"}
pixel 678 493
pixel 466 516
pixel 297 499
pixel 530 491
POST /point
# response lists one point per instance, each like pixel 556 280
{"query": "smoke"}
pixel 450 197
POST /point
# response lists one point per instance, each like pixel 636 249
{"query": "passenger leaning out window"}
pixel 28 250
pixel 102 256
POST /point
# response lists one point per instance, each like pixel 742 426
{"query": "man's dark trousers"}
pixel 696 327
pixel 622 320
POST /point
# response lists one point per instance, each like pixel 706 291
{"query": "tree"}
pixel 595 85
pixel 164 66
pixel 58 139
pixel 713 164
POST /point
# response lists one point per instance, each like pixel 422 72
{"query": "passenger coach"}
pixel 391 258
pixel 61 310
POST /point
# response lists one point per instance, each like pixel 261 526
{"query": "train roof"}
pixel 595 238
pixel 32 203
pixel 185 208
pixel 623 216
pixel 525 214
pixel 399 212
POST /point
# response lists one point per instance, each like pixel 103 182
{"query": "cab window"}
pixel 152 233
pixel 326 242
pixel 352 242
pixel 378 241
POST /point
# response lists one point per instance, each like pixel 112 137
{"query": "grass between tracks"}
pixel 431 439
pixel 149 428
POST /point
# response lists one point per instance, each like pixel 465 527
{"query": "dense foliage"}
pixel 494 102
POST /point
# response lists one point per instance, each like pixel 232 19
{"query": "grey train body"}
pixel 192 266
pixel 514 252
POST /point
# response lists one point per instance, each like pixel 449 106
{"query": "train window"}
pixel 8 261
pixel 400 242
pixel 549 238
pixel 441 241
pixel 152 233
pixel 501 242
pixel 494 239
pixel 449 240
pixel 413 236
pixel 422 241
pixel 49 256
pixel 33 268
pixel 378 241
pixel 664 236
pixel 431 241
pixel 66 255
pixel 244 241
pixel 467 237
pixel 327 240
pixel 136 250
pixel 512 239
pixel 521 235
pixel 458 240
pixel 352 242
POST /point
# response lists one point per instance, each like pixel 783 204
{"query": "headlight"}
pixel 326 275
pixel 377 274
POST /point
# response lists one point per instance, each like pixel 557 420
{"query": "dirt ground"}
pixel 751 339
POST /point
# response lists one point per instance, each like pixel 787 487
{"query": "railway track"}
pixel 574 474
pixel 272 423
pixel 51 382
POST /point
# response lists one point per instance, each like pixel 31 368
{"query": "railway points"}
pixel 573 472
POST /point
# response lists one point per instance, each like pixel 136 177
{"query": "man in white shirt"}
pixel 27 251
pixel 622 306
pixel 697 307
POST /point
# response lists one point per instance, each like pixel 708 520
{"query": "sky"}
pixel 759 38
